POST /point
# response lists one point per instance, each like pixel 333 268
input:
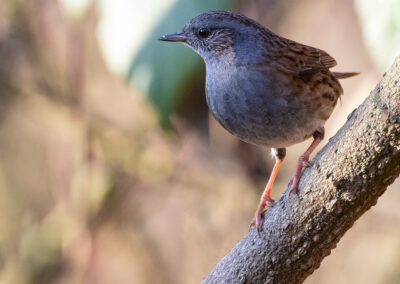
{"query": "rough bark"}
pixel 346 178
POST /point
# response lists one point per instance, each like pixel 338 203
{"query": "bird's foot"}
pixel 257 220
pixel 294 181
pixel 293 184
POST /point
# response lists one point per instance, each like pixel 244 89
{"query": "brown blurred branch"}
pixel 347 177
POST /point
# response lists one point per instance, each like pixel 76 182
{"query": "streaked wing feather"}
pixel 301 59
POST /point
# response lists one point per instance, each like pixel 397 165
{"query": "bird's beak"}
pixel 178 37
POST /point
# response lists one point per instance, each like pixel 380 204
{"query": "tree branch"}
pixel 346 178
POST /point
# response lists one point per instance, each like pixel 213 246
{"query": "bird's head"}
pixel 215 34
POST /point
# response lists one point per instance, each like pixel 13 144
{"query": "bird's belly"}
pixel 263 120
pixel 263 108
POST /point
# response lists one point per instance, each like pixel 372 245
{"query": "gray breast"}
pixel 257 107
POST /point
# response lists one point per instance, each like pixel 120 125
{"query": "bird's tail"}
pixel 344 75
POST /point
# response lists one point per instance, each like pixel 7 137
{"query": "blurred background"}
pixel 112 169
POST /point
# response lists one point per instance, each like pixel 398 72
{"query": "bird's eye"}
pixel 204 33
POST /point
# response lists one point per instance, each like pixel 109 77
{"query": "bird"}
pixel 264 89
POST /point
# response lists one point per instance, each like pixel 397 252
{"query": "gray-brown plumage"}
pixel 263 88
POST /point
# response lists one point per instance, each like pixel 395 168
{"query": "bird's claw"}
pixel 294 181
pixel 293 185
pixel 294 189
pixel 258 220
pixel 270 203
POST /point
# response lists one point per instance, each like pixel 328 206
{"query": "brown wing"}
pixel 300 59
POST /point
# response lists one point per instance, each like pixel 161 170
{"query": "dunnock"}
pixel 264 89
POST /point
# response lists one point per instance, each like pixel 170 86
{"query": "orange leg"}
pixel 266 196
pixel 303 160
